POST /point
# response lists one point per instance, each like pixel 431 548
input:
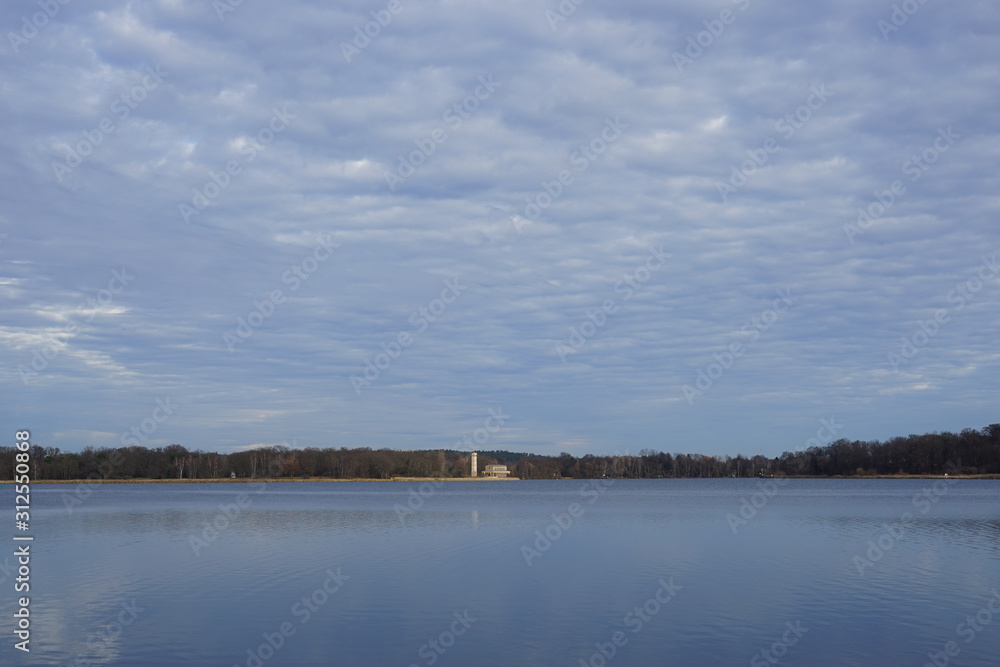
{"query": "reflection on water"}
pixel 539 573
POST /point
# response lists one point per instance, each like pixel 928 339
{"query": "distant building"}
pixel 496 471
pixel 475 464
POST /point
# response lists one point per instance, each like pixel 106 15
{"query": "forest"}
pixel 970 452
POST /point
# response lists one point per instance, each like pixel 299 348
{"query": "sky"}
pixel 711 227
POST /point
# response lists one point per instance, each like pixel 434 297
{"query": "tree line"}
pixel 967 452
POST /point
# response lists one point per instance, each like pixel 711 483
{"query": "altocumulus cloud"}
pixel 201 83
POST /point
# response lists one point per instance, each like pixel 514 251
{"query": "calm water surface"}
pixel 647 572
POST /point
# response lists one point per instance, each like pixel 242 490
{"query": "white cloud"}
pixel 656 184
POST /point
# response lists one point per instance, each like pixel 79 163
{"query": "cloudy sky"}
pixel 685 226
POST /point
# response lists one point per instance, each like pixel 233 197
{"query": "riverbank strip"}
pixel 244 480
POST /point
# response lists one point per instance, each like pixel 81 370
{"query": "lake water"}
pixel 567 572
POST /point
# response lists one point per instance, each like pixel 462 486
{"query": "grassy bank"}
pixel 245 480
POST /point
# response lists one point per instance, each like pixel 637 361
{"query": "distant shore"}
pixel 244 480
pixel 229 480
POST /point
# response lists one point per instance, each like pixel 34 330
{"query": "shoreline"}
pixel 247 480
